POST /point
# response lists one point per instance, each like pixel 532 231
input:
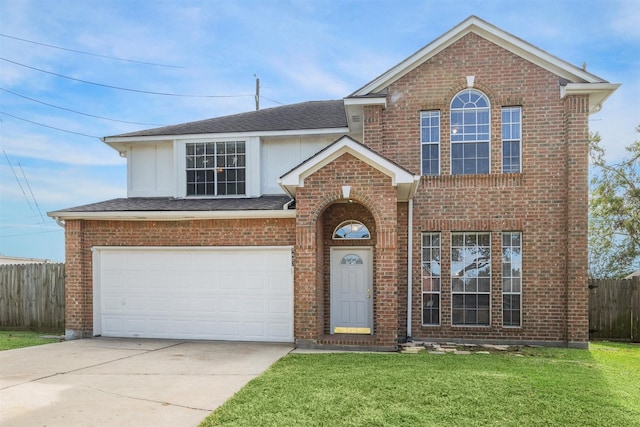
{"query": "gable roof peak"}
pixel 476 25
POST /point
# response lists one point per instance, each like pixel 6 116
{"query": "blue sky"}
pixel 300 50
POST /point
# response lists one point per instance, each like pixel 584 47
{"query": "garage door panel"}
pixel 243 294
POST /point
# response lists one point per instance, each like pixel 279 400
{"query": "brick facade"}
pixel 82 235
pixel 320 207
pixel 546 202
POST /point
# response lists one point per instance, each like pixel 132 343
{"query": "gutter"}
pixel 59 221
pixel 60 216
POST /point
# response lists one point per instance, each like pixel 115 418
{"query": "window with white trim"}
pixel 511 278
pixel 430 140
pixel 470 278
pixel 470 133
pixel 511 139
pixel 216 168
pixel 431 278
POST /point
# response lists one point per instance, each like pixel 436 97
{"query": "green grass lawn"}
pixel 542 387
pixel 11 340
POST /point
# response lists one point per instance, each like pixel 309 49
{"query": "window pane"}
pixel 470 122
pixel 471 277
pixel 511 278
pixel 511 131
pixel 431 278
pixel 215 168
pixel 430 138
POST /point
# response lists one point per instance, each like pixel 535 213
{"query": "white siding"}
pixel 279 156
pixel 150 170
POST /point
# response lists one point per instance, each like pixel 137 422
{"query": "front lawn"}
pixel 541 387
pixel 11 340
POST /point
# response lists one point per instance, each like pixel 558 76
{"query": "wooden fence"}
pixel 614 309
pixel 32 297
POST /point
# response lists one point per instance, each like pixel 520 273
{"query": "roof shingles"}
pixel 147 204
pixel 305 115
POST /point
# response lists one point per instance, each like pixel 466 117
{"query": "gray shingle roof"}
pixel 305 115
pixel 140 204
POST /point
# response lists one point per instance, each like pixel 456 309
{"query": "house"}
pixel 4 260
pixel 444 200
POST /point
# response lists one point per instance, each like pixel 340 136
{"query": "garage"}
pixel 206 293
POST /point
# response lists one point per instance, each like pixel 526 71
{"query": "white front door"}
pixel 351 290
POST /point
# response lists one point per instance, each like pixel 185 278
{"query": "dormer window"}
pixel 470 134
pixel 216 168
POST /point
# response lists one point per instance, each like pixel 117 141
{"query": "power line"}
pixel 90 53
pixel 35 232
pixel 50 127
pixel 33 197
pixel 18 180
pixel 122 88
pixel 272 100
pixel 78 112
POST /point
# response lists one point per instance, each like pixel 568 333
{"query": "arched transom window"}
pixel 470 125
pixel 351 230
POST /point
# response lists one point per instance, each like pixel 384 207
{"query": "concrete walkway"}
pixel 133 382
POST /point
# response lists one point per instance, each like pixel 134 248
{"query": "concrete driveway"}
pixel 132 382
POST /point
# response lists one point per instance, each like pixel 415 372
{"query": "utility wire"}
pixel 47 126
pixel 35 201
pixel 79 112
pixel 90 53
pixel 272 100
pixel 123 88
pixel 18 180
pixel 35 232
pixel 33 197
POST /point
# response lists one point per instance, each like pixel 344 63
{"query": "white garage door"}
pixel 239 293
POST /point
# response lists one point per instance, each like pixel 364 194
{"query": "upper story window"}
pixel 351 230
pixel 511 139
pixel 470 125
pixel 430 140
pixel 216 168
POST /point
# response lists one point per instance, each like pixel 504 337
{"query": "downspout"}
pixel 287 205
pixel 409 267
pixel 59 221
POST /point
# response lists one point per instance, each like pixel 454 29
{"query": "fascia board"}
pixel 366 101
pixel 173 215
pixel 186 137
pixel 491 33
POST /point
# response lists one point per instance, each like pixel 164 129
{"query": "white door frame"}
pixel 336 254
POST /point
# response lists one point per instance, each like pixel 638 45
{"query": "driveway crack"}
pixel 148 400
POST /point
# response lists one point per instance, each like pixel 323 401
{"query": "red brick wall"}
pixel 82 235
pixel 316 204
pixel 547 202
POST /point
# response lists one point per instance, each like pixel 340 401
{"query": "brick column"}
pixel 78 322
pixel 577 172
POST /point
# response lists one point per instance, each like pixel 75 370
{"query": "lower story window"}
pixel 511 279
pixel 470 278
pixel 431 278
